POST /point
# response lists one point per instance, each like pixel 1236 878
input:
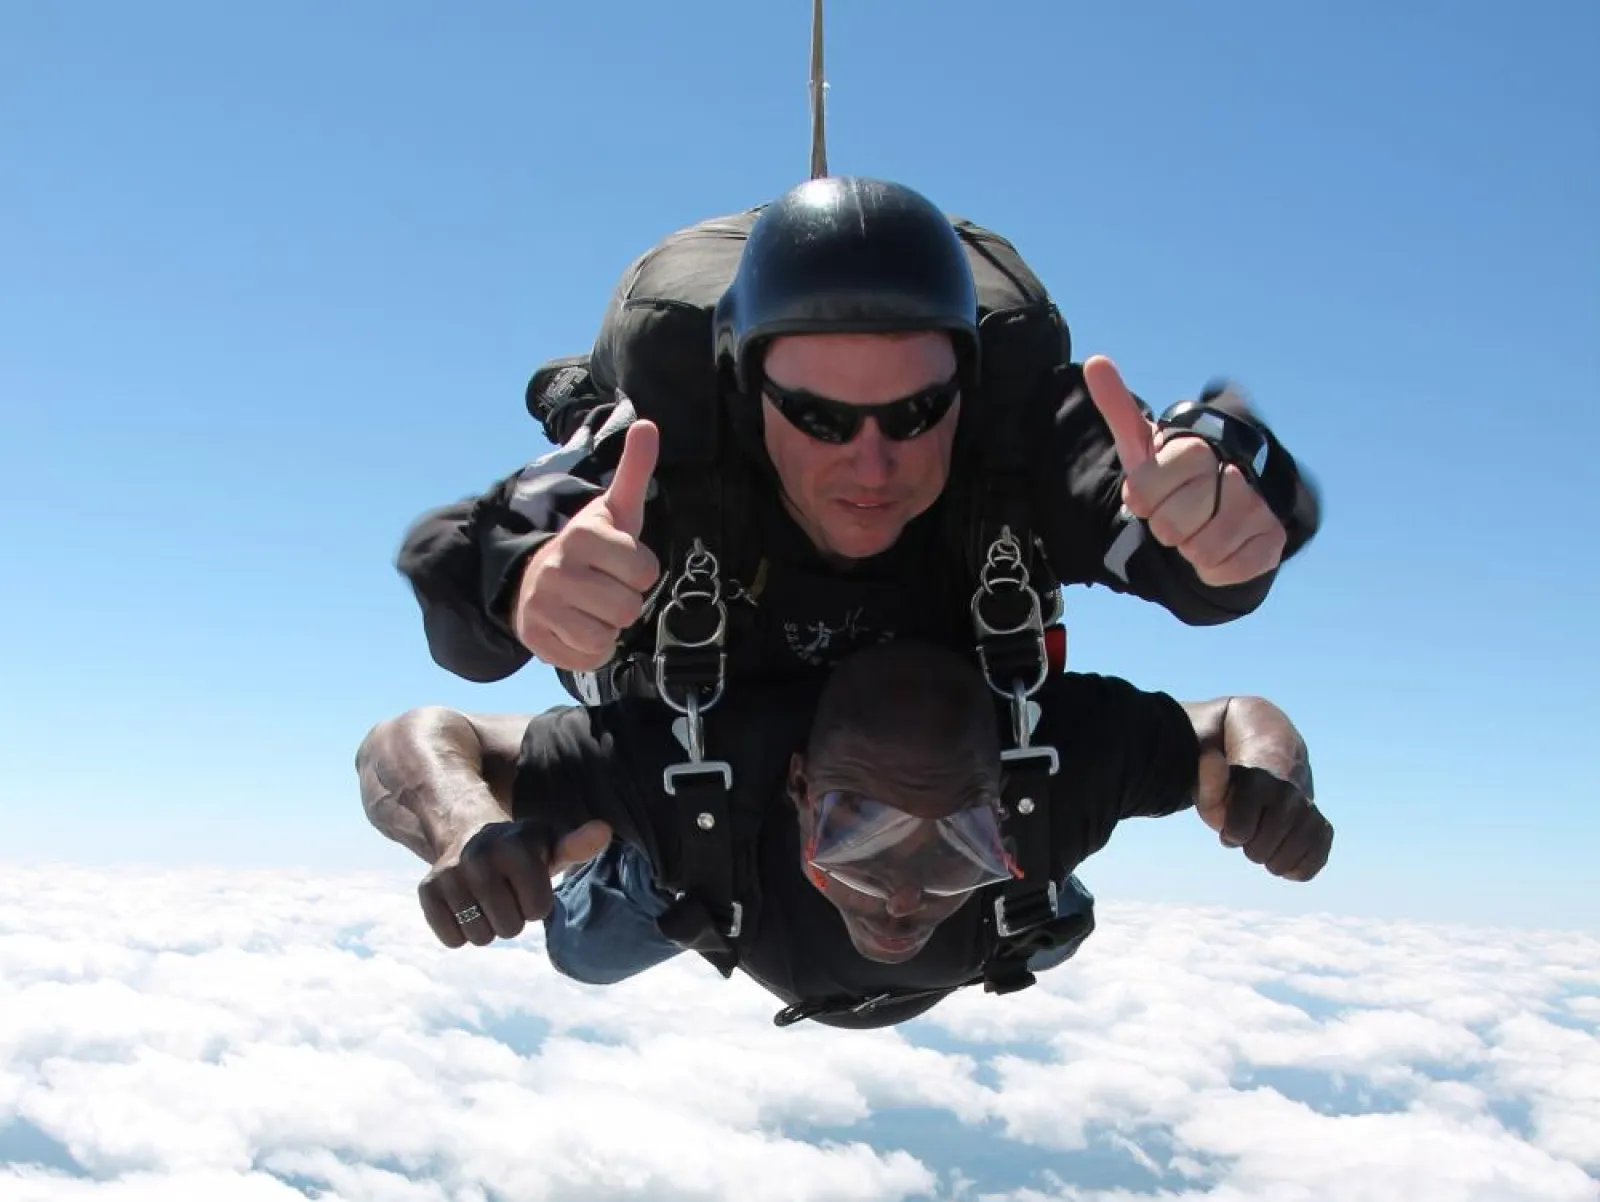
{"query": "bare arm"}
pixel 1255 786
pixel 1252 727
pixel 433 776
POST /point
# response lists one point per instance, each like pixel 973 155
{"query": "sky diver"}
pixel 871 852
pixel 833 421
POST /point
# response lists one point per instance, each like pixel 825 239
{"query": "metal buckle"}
pixel 735 923
pixel 1003 925
pixel 672 772
pixel 1024 752
pixel 1029 687
pixel 1032 620
pixel 698 765
pixel 1003 569
pixel 699 583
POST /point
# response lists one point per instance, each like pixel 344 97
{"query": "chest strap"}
pixel 1012 651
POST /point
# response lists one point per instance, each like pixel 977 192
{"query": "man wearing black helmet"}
pixel 885 405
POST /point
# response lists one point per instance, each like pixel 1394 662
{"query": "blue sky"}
pixel 274 278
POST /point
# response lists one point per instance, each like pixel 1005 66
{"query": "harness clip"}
pixel 675 772
pixel 698 585
pixel 1035 908
pixel 1015 634
pixel 1012 755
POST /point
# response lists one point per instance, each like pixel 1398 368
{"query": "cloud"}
pixel 172 1035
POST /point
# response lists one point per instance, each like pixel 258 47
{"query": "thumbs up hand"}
pixel 588 583
pixel 1187 497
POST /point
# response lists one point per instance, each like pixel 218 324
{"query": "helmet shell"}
pixel 846 255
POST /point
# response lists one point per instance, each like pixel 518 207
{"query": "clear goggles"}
pixel 878 850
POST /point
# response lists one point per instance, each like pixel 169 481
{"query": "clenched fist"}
pixel 588 584
pixel 492 884
pixel 1256 792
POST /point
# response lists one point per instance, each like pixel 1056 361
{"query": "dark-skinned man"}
pixel 873 833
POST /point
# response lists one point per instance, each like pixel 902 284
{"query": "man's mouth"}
pixel 900 939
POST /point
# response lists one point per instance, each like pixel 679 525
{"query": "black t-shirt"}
pixel 810 615
pixel 1124 753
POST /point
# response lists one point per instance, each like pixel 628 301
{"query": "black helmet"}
pixel 846 256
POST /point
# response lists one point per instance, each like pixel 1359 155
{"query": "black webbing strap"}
pixel 690 673
pixel 1009 625
pixel 1024 908
pixel 706 917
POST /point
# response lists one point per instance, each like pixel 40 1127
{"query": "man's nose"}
pixel 905 901
pixel 872 454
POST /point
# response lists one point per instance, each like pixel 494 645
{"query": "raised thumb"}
pixel 630 485
pixel 580 846
pixel 1132 434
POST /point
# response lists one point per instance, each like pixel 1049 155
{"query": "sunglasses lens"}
pixel 819 421
pixel 916 415
pixel 837 423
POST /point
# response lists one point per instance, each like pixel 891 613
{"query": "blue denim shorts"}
pixel 602 928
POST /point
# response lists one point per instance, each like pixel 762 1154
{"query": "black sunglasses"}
pixel 836 422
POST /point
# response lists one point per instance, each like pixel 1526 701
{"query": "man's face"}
pixel 888 911
pixel 853 499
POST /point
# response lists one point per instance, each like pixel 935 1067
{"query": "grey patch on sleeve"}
pixel 1129 539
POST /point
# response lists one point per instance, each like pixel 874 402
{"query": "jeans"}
pixel 602 928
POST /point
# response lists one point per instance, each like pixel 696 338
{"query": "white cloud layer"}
pixel 272 1038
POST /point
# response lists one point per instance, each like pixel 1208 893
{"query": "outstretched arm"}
pixel 1239 761
pixel 1255 787
pixel 442 783
pixel 431 777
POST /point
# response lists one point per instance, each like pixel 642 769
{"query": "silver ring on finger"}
pixel 470 914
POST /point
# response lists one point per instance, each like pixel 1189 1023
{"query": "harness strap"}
pixel 1016 662
pixel 1025 907
pixel 707 915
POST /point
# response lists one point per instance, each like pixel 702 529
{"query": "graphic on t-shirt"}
pixel 820 644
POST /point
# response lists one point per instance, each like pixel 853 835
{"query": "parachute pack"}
pixel 655 349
